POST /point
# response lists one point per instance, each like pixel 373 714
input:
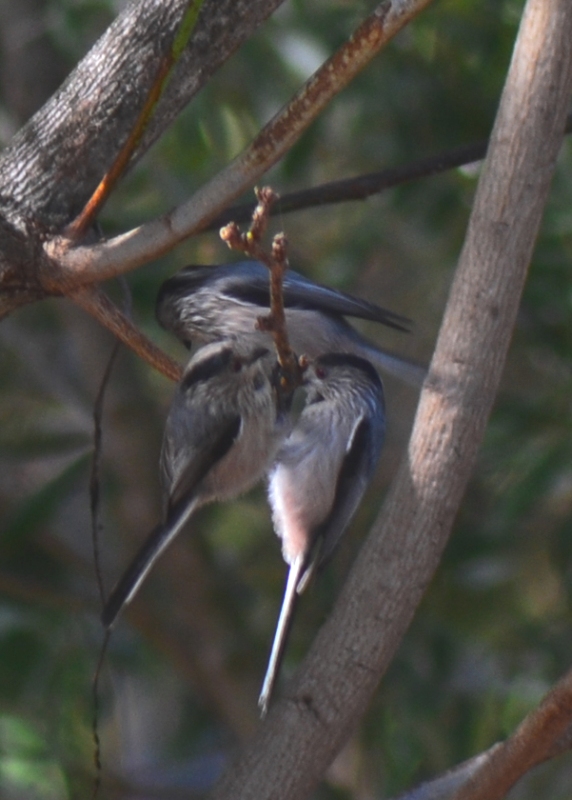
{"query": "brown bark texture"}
pixel 55 162
pixel 51 169
pixel 353 649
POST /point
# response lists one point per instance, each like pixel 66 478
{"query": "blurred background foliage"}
pixel 180 685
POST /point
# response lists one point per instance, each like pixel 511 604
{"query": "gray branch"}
pixel 52 166
pixel 353 649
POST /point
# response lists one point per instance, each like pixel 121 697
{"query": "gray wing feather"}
pixel 248 281
pixel 357 471
pixel 182 502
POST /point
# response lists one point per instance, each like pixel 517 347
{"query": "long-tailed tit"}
pixel 320 475
pixel 206 304
pixel 225 425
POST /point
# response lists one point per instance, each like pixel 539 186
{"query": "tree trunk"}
pixel 58 158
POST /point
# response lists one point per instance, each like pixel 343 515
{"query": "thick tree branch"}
pixel 443 786
pixel 130 250
pixel 495 759
pixel 81 224
pixel 54 163
pixel 353 649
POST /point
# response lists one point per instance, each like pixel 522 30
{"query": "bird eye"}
pixel 320 373
pixel 236 365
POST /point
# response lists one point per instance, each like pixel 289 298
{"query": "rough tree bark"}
pixel 354 648
pixel 54 163
pixel 70 263
pixel 75 137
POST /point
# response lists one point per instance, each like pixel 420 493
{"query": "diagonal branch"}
pixel 360 187
pixel 96 303
pixel 443 786
pixel 82 223
pixel 353 649
pixel 80 265
pixel 77 134
pixel 537 738
pixel 495 761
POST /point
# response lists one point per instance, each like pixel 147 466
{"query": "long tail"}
pixel 281 635
pixel 411 372
pixel 159 538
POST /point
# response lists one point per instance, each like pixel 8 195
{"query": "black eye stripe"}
pixel 348 359
pixel 207 368
pixel 249 294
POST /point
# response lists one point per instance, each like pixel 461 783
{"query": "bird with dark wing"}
pixel 226 422
pixel 202 304
pixel 320 475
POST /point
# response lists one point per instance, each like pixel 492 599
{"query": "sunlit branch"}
pixel 366 185
pixel 96 303
pixel 80 265
pixel 164 71
pixel 537 738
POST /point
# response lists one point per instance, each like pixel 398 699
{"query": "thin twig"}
pixel 85 219
pixel 96 303
pixel 250 243
pixel 94 480
pixel 360 187
pixel 85 264
pixel 276 320
pixel 95 719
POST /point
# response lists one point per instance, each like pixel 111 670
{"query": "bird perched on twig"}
pixel 226 422
pixel 320 475
pixel 206 304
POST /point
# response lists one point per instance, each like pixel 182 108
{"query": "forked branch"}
pixel 306 729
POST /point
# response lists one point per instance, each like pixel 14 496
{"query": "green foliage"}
pixel 491 635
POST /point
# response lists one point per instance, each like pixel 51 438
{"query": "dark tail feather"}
pixel 159 538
